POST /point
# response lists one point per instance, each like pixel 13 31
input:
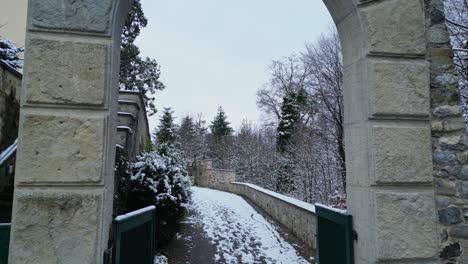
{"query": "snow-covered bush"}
pixel 9 53
pixel 160 259
pixel 159 178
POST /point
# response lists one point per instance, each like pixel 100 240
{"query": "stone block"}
pixel 462 157
pixel 399 217
pixel 55 227
pixel 71 15
pixel 399 88
pixel 441 57
pixel 444 158
pixel 459 232
pixel 65 72
pixel 454 124
pixel 463 189
pixel 396 26
pixel 442 202
pixel 438 34
pixel 402 154
pixel 61 149
pixel 450 216
pixel 445 187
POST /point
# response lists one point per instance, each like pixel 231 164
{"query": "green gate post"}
pixel 4 242
pixel 135 237
pixel 334 236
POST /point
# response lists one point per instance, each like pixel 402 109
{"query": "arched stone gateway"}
pixel 62 207
pixel 396 60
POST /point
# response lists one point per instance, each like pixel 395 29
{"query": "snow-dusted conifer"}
pixel 159 178
pixel 220 127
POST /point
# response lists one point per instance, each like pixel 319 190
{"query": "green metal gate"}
pixel 334 236
pixel 4 242
pixel 135 237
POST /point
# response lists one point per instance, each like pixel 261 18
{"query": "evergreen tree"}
pixel 221 141
pixel 201 131
pixel 159 178
pixel 186 136
pixel 289 122
pixel 220 126
pixel 165 134
pixel 290 116
pixel 136 73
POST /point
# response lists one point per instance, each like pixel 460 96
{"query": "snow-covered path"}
pixel 240 234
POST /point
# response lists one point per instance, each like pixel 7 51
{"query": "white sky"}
pixel 217 53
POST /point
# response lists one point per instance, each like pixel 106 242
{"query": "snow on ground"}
pixel 240 234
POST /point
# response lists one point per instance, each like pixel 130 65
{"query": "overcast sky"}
pixel 217 52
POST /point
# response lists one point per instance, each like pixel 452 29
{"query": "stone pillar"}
pixel 62 207
pixel 387 130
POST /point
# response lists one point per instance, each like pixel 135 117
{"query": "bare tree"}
pixel 315 157
pixel 457 24
pixel 288 75
pixel 324 60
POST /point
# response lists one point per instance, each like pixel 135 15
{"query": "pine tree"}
pixel 220 126
pixel 290 116
pixel 136 73
pixel 165 134
pixel 201 131
pixel 159 178
pixel 186 135
pixel 221 141
pixel 289 121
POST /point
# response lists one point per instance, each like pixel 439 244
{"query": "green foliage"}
pixel 187 137
pixel 290 116
pixel 122 182
pixel 220 127
pixel 136 73
pixel 165 134
pixel 148 144
pixel 159 178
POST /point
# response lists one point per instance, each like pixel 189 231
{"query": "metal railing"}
pixel 4 242
pixel 134 235
pixel 335 236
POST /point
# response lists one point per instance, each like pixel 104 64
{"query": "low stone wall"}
pixel 297 216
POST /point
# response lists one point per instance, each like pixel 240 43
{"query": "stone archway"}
pixel 400 111
pixel 63 196
pixel 62 209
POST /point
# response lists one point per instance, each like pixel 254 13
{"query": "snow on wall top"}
pixel 134 213
pixel 298 203
pixel 332 208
